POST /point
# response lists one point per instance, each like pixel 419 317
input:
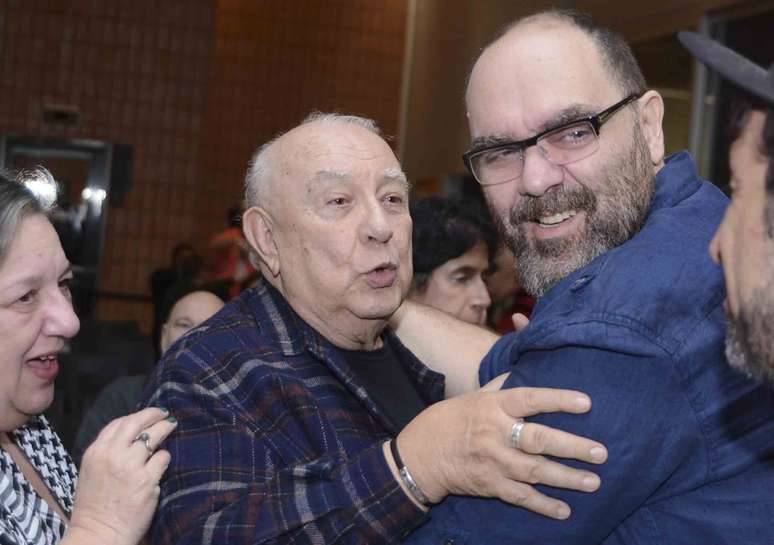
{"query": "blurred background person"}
pixel 228 262
pixel 120 397
pixel 508 297
pixel 185 269
pixel 119 485
pixel 453 243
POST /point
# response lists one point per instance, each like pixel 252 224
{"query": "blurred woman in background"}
pixel 188 310
pixel 453 243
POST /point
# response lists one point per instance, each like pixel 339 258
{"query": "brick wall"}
pixel 277 60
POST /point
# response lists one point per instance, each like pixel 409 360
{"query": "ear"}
pixel 651 122
pixel 258 228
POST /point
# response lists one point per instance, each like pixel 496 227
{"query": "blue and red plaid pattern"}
pixel 277 441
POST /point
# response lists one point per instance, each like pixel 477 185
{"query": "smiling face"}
pixel 335 237
pixel 36 316
pixel 457 286
pixel 555 218
pixel 746 251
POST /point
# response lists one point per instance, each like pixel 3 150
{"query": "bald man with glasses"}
pixel 612 237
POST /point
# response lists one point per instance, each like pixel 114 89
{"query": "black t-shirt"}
pixel 387 382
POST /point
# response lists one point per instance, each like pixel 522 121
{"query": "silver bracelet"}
pixel 408 480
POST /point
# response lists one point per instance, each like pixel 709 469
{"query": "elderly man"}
pixel 744 243
pixel 287 398
pixel 568 145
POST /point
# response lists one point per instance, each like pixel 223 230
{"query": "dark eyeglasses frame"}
pixel 596 122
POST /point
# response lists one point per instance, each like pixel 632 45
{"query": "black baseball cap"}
pixel 731 65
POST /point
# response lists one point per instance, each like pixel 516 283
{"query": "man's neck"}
pixel 347 331
pixel 341 328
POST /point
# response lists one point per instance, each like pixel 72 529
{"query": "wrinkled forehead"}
pixel 536 70
pixel 322 152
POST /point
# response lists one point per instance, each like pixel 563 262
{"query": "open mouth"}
pixel 382 276
pixel 45 367
pixel 555 219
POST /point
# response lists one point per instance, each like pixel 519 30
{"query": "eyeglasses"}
pixel 573 141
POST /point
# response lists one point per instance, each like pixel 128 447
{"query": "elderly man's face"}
pixel 342 228
pixel 558 218
pixel 746 252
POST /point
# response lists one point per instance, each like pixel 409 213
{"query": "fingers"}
pixel 495 384
pixel 155 436
pixel 530 469
pixel 524 495
pixel 539 439
pixel 128 427
pixel 519 321
pixel 158 463
pixel 520 402
pixel 161 430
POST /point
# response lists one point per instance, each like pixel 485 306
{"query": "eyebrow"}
pixel 393 174
pixel 574 112
pixel 329 175
pixel 34 280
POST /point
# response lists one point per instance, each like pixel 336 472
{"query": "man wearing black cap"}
pixel 744 242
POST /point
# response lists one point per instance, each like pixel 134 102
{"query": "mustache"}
pixel 530 209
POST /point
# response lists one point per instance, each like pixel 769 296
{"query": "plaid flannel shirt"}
pixel 277 441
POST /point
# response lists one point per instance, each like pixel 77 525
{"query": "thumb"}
pixel 495 384
pixel 520 321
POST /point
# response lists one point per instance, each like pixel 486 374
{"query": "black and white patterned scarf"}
pixel 25 519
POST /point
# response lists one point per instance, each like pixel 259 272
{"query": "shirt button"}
pixel 448 541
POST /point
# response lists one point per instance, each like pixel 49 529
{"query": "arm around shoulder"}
pixel 443 343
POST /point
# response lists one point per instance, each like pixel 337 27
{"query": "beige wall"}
pixel 448 36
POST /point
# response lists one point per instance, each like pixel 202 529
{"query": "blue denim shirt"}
pixel 641 329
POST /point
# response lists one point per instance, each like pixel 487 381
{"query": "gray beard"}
pixel 613 215
pixel 750 336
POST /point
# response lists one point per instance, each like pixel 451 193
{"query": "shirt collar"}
pixel 675 182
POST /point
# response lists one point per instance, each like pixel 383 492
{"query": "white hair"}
pixel 259 170
pixel 27 193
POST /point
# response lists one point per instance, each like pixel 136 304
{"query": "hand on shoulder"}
pixel 118 487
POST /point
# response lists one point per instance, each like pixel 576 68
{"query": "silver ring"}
pixel 144 437
pixel 516 432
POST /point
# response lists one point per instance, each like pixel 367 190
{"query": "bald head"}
pixel 263 165
pixel 611 51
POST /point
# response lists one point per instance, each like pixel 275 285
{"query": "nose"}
pixel 60 319
pixel 376 225
pixel 538 174
pixel 481 299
